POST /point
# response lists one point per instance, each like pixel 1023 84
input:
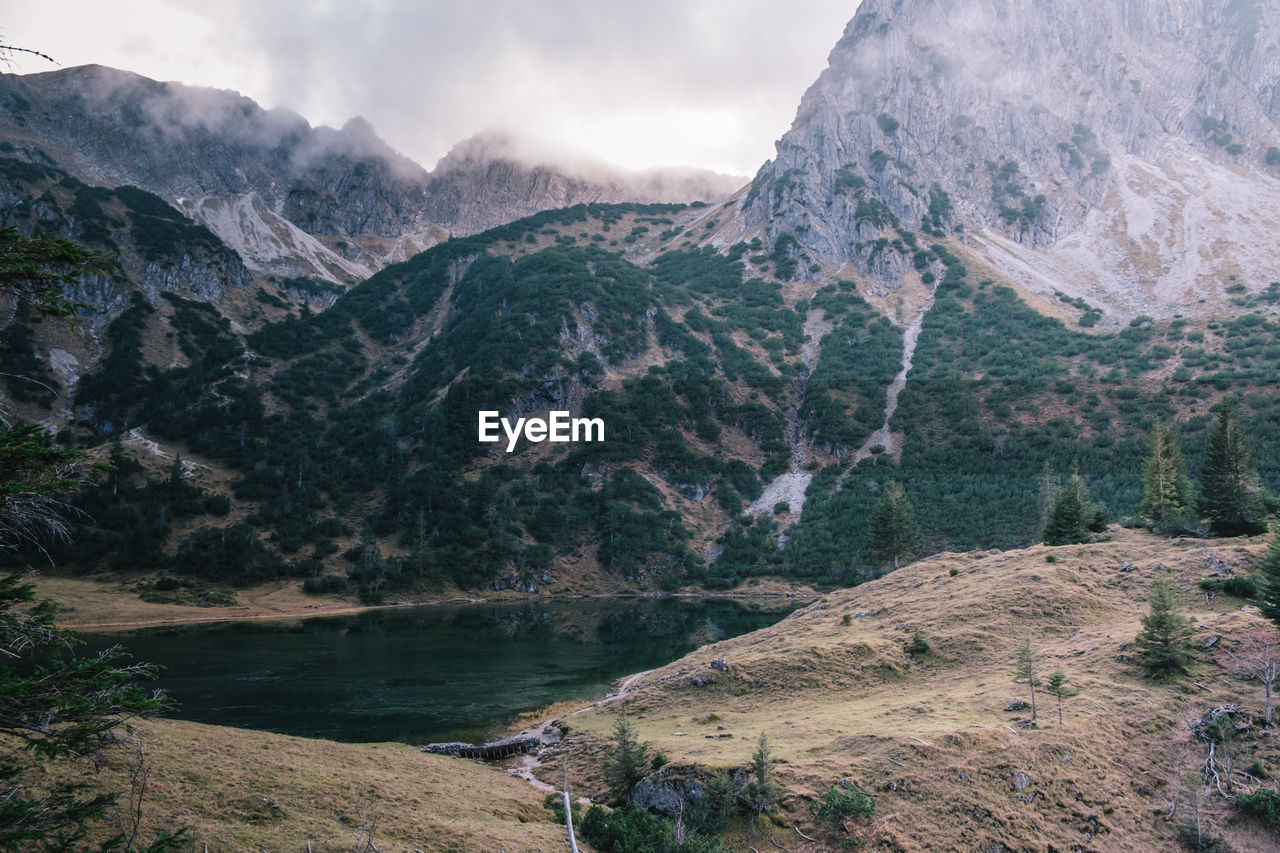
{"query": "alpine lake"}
pixel 426 673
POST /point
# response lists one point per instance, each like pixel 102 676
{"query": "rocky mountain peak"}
pixel 296 200
pixel 1122 151
pixel 289 198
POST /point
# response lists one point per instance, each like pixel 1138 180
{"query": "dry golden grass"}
pixel 112 603
pixel 949 768
pixel 931 740
pixel 237 790
pixel 99 605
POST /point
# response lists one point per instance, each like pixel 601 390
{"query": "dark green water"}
pixel 425 673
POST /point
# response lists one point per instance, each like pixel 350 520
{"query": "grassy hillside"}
pixel 834 687
pixel 950 769
pixel 235 789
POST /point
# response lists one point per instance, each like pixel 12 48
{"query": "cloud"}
pixel 664 82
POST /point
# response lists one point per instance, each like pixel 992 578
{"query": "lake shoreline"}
pixel 110 606
pixel 453 673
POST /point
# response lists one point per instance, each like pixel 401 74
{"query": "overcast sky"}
pixel 640 83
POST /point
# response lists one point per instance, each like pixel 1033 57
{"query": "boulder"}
pixel 670 790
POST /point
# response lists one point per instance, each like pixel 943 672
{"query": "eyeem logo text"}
pixel 558 427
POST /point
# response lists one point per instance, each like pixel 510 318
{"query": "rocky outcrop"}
pixel 671 790
pixel 143 251
pixel 208 277
pixel 1125 151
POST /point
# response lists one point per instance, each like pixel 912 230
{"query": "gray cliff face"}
pixel 1068 138
pixel 144 252
pixel 206 276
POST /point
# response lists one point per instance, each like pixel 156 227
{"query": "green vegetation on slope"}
pixel 359 423
pixel 997 395
pixel 350 434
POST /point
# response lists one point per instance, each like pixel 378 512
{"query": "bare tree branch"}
pixel 6 51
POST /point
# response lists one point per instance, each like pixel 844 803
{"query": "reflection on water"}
pixel 426 673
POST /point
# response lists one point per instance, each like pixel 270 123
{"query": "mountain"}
pixel 999 243
pixel 290 199
pixel 1125 153
pixel 763 366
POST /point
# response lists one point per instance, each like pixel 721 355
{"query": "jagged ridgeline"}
pixel 1071 142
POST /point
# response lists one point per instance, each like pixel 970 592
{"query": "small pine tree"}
pixel 919 647
pixel 1074 514
pixel 176 473
pixel 1166 490
pixel 1064 525
pixel 1269 583
pixel 841 804
pixel 892 532
pixel 1164 644
pixel 1232 496
pixel 761 793
pixel 626 766
pixel 709 813
pixel 1056 685
pixel 1026 665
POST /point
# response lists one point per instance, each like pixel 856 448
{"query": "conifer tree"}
pixel 1057 685
pixel 1166 490
pixel 1074 514
pixel 760 794
pixel 40 269
pixel 1026 670
pixel 626 766
pixel 57 708
pixel 420 555
pixel 892 532
pixel 1232 499
pixel 1048 488
pixel 1164 644
pixel 1269 583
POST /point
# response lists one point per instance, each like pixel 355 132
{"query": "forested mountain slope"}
pixel 763 366
pixel 344 442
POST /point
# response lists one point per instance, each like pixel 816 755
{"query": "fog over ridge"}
pixel 664 83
